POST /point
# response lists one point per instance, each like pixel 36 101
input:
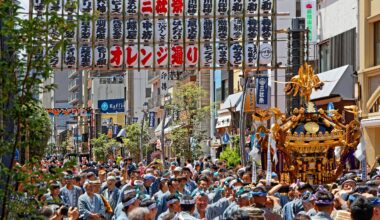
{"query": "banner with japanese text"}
pixel 163 34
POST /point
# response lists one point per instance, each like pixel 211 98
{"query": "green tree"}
pixel 188 113
pixel 231 155
pixel 99 147
pixel 26 50
pixel 132 139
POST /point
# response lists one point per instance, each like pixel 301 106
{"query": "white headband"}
pixel 152 206
pixel 130 202
pixel 188 202
pixel 172 201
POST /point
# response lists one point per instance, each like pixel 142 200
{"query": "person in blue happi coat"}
pixel 90 204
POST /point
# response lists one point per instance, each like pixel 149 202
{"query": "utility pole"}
pixel 145 109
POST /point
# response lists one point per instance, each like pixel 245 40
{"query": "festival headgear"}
pixel 327 200
pixel 86 183
pixel 69 176
pixel 111 178
pixel 307 197
pixel 178 169
pixel 149 177
pixel 353 197
pixel 172 199
pixel 228 180
pixel 349 181
pixel 374 201
pixel 130 201
pixel 259 192
pixel 187 201
pixel 242 193
pixel 206 172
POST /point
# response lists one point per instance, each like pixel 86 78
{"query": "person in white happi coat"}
pixel 187 208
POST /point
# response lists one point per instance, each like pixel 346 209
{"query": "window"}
pixel 148 92
pixel 377 43
pixel 325 56
pixel 225 89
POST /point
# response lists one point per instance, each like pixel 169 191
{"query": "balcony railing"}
pixel 73 84
pixel 74 97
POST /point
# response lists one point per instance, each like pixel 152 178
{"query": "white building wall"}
pixel 336 17
pixel 283 22
pixel 140 84
pixel 105 91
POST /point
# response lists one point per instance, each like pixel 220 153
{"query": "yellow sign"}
pixel 113 118
pixel 250 101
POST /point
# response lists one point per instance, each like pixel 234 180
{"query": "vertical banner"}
pixel 269 162
pixel 152 119
pixel 262 91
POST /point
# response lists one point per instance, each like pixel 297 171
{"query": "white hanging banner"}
pixel 236 54
pixel 55 60
pixel 266 5
pixel 191 29
pixel 116 56
pixel 161 30
pixel 222 29
pixel 146 30
pixel 191 7
pixel 266 28
pixel 85 30
pixel 251 28
pixel 101 29
pixel 206 29
pixel 131 7
pixel 207 54
pixel 251 54
pixel 101 56
pixel 176 7
pixel 101 6
pixel 207 7
pixel 146 56
pixel 116 29
pixel 222 7
pixel 55 6
pixel 70 59
pixel 236 6
pixel 236 28
pixel 131 29
pixel 222 54
pixel 162 55
pixel 85 56
pixel 251 6
pixel 161 7
pixel 131 55
pixel 146 7
pixel 192 55
pixel 116 7
pixel 265 53
pixel 85 6
pixel 176 30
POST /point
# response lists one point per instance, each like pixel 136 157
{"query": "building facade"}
pixel 369 75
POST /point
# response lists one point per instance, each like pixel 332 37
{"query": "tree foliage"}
pixel 132 139
pixel 188 115
pixel 231 154
pixel 24 65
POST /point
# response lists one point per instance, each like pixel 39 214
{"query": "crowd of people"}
pixel 202 189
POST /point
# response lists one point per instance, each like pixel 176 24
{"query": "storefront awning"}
pixel 159 127
pixel 223 121
pixel 232 102
pixel 337 82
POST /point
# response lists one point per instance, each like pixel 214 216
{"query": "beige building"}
pixel 369 74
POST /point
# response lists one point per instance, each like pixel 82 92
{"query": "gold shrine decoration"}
pixel 303 83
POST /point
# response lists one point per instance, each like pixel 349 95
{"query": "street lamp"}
pixel 145 111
